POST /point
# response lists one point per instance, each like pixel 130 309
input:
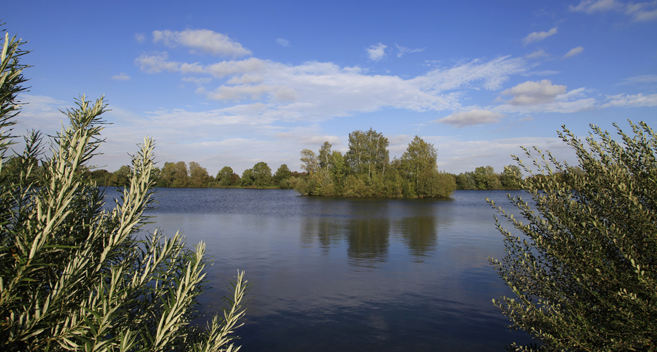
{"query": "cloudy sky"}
pixel 238 82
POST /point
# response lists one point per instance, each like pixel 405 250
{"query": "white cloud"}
pixel 574 51
pixel 158 62
pixel 403 50
pixel 531 93
pixel 121 77
pixel 537 54
pixel 376 52
pixel 538 36
pixel 543 96
pixel 283 42
pixel 201 40
pixel 643 79
pixel 643 11
pixel 316 91
pixel 140 37
pixel 631 101
pixel 590 6
pixel 471 118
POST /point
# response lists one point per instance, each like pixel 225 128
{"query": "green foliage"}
pixel 198 176
pixel 365 171
pixel 247 178
pixel 309 161
pixel 74 276
pixel 175 174
pixel 282 173
pixel 261 174
pixel 368 152
pixel 225 176
pixel 584 269
pixel 324 155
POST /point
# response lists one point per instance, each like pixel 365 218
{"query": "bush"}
pixel 584 270
pixel 74 276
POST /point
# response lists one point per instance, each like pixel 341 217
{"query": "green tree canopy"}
pixel 324 155
pixel 175 174
pixel 283 173
pixel 368 152
pixel 584 269
pixel 225 176
pixel 309 161
pixel 199 176
pixel 261 174
pixel 247 178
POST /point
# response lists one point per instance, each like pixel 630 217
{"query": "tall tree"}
pixel 368 152
pixel 261 174
pixel 283 173
pixel 309 161
pixel 418 157
pixel 324 155
pixel 175 174
pixel 583 269
pixel 225 176
pixel 198 176
pixel 247 178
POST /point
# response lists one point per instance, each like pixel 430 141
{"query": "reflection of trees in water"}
pixel 327 231
pixel 368 240
pixel 366 226
pixel 419 233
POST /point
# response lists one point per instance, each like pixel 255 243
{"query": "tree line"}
pixel 180 174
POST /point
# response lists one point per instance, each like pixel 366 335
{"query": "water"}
pixel 337 274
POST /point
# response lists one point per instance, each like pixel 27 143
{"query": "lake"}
pixel 342 274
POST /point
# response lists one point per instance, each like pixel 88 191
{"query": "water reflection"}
pixel 366 227
pixel 368 241
pixel 420 234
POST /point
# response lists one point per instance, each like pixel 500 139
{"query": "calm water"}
pixel 336 274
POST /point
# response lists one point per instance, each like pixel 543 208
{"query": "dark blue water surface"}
pixel 341 274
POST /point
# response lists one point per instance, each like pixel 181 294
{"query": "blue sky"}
pixel 232 83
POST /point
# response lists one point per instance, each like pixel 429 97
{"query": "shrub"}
pixel 584 270
pixel 74 276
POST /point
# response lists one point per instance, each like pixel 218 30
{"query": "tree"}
pixel 225 176
pixel 511 177
pixel 261 174
pixel 309 161
pixel 485 178
pixel 74 276
pixel 283 173
pixel 584 269
pixel 175 174
pixel 121 177
pixel 324 155
pixel 368 152
pixel 247 178
pixel 199 176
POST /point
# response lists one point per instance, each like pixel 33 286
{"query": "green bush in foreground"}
pixel 584 270
pixel 76 277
